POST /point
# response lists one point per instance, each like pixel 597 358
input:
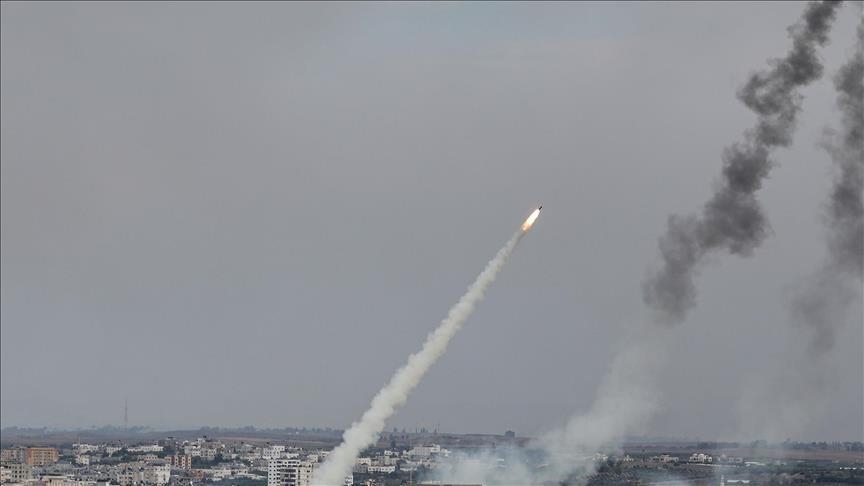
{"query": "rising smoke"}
pixel 364 432
pixel 821 303
pixel 625 401
pixel 803 383
pixel 733 219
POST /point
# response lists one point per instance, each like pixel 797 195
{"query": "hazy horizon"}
pixel 251 214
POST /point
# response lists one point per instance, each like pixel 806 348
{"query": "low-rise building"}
pixel 381 469
pixel 146 448
pixel 700 458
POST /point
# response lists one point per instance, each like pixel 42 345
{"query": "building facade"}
pixel 15 454
pixel 41 456
pixel 289 472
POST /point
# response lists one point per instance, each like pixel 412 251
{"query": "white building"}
pixel 146 448
pixel 289 472
pixel 701 458
pixel 156 474
pixel 272 452
pixel 85 448
pixel 153 475
pixel 19 473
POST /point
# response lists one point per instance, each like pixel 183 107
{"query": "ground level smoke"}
pixel 625 401
pixel 364 432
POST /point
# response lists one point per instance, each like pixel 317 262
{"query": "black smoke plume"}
pixel 821 303
pixel 733 218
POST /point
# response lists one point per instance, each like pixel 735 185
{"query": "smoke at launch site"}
pixel 264 208
pixel 732 219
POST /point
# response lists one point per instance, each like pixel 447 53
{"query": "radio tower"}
pixel 126 414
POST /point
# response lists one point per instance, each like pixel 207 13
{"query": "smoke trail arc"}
pixel 732 219
pixel 365 431
pixel 822 301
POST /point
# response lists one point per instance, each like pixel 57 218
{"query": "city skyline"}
pixel 251 214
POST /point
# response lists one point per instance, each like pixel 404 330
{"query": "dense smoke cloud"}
pixel 733 218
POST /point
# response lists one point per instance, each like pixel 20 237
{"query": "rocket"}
pixel 531 218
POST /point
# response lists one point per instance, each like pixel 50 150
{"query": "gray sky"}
pixel 243 214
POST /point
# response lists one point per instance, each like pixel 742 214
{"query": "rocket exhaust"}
pixel 365 431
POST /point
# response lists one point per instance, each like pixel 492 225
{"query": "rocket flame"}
pixel 530 221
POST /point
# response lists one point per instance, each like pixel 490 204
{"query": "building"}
pixel 273 452
pixel 41 456
pixel 146 448
pixel 18 472
pixel 698 457
pixel 154 475
pixel 289 472
pixel 15 454
pixel 179 461
pixel 84 448
pixel 56 480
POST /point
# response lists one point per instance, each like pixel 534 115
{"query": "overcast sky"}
pixel 237 214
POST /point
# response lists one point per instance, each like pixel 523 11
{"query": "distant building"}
pixel 509 434
pixel 179 461
pixel 19 472
pixel 427 451
pixel 289 472
pixel 41 456
pixel 146 448
pixel 381 469
pixel 110 450
pixel 273 452
pixel 56 480
pixel 84 448
pixel 700 458
pixel 154 475
pixel 15 454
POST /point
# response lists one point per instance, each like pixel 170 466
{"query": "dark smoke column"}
pixel 733 218
pixel 822 301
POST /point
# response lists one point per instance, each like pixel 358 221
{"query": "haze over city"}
pixel 231 214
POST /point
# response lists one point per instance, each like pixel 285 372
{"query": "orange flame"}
pixel 530 221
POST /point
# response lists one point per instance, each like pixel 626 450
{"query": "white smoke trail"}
pixel 625 402
pixel 365 431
